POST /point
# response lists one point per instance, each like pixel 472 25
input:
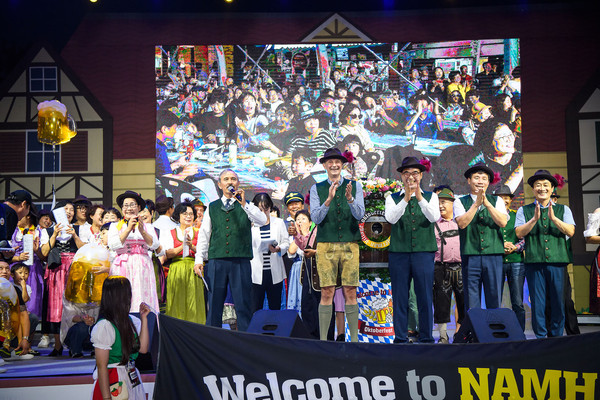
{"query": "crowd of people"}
pixel 194 261
pixel 469 118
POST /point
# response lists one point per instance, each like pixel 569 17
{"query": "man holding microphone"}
pixel 225 240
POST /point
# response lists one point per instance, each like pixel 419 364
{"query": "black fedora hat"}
pixel 504 190
pixel 542 174
pixel 411 162
pixel 131 195
pixel 333 153
pixel 81 199
pixel 480 167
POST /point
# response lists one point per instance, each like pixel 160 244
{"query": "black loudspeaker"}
pixel 286 323
pixel 147 362
pixel 489 326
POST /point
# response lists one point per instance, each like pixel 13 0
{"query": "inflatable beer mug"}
pixel 55 126
pixel 84 286
pixel 9 310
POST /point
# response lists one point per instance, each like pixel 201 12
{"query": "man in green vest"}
pixel 336 206
pixel 545 227
pixel 412 213
pixel 480 217
pixel 226 237
pixel 512 262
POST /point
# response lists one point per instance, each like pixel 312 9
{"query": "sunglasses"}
pixel 354 116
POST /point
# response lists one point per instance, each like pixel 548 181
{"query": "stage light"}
pixel 93 1
pixel 228 1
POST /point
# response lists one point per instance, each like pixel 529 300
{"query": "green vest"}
pixel 482 236
pixel 510 236
pixel 339 224
pixel 115 353
pixel 413 232
pixel 231 235
pixel 545 243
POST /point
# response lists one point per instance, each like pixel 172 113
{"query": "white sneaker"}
pixel 45 342
pixel 16 357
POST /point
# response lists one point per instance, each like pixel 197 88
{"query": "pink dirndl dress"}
pixel 56 279
pixel 134 263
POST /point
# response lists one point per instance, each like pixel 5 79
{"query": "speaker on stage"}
pixel 286 323
pixel 489 326
pixel 147 362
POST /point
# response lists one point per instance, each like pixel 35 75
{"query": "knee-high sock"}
pixel 324 320
pixel 352 318
pixel 443 328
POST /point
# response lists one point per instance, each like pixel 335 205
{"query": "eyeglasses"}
pixel 188 214
pixel 414 174
pixel 82 207
pixel 455 95
pixel 130 205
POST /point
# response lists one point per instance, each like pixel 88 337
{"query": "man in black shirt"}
pixel 16 206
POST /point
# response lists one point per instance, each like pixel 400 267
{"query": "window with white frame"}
pixel 43 79
pixel 41 157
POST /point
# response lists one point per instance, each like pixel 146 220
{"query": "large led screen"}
pixel 269 112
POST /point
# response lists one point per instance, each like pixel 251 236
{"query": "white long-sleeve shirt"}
pixel 255 215
pixel 393 211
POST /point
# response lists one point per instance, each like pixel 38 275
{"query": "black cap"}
pixel 504 190
pixel 19 196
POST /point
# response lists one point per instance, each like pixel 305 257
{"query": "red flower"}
pixel 349 156
pixel 426 163
pixel 497 178
pixel 561 180
pixel 307 198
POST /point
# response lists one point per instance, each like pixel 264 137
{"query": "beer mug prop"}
pixel 9 310
pixel 84 286
pixel 55 126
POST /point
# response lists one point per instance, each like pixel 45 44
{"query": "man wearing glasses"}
pixel 412 213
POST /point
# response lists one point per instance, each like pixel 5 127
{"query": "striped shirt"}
pixel 319 144
pixel 265 233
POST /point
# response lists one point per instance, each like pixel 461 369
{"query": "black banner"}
pixel 208 363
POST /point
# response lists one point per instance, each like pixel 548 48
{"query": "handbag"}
pixel 309 264
pixel 54 260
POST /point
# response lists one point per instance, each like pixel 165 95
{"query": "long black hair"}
pixel 114 307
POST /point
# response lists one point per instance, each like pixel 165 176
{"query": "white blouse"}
pixel 103 333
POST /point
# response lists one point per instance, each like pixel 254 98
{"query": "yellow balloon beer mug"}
pixel 55 126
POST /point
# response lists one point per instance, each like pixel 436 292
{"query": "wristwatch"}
pixel 26 338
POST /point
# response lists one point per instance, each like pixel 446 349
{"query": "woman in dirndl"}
pixel 131 239
pixel 118 338
pixel 185 292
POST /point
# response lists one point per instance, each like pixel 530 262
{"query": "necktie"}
pixel 228 204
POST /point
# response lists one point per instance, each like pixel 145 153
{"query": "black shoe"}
pixel 341 338
pixel 77 355
pixel 56 353
pixel 4 352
